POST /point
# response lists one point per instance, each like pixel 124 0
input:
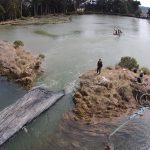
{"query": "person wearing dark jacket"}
pixel 99 66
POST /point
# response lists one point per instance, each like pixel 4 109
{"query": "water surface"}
pixel 71 49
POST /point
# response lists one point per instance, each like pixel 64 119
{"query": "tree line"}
pixel 148 12
pixel 12 9
pixel 125 7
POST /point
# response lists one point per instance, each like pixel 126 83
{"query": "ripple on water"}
pixel 82 40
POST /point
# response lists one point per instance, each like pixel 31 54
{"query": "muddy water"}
pixel 71 49
pixel 135 135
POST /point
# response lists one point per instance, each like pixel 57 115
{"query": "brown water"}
pixel 135 135
pixel 71 49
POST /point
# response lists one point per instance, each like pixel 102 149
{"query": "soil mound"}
pixel 108 95
pixel 18 64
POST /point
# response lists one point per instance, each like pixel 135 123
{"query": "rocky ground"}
pixel 108 95
pixel 18 64
pixel 49 19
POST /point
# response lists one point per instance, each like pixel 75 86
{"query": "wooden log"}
pixel 23 111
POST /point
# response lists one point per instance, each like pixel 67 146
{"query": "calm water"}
pixel 71 49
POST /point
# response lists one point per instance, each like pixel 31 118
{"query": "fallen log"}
pixel 31 105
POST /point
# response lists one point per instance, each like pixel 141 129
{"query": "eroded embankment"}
pixel 18 64
pixel 108 95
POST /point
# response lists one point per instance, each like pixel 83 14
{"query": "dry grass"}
pixel 18 64
pixel 107 95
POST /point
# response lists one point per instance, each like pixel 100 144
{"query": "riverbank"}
pixel 49 19
pixel 19 65
pixel 113 14
pixel 56 19
pixel 107 96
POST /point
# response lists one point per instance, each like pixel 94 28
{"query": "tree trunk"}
pixel 21 8
pixel 41 10
pixel 75 8
pixel 46 10
pixel 34 9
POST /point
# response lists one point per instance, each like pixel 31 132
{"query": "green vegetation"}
pixel 131 64
pixel 2 11
pixel 148 13
pixel 128 62
pixel 18 43
pixel 41 56
pixel 124 7
pixel 145 70
pixel 12 9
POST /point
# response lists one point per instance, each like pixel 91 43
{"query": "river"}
pixel 71 49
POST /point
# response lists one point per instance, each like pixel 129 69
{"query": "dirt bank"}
pixel 18 64
pixel 108 95
pixel 49 19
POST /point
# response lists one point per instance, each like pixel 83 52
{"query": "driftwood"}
pixel 14 117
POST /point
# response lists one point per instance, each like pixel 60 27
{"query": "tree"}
pixel 11 9
pixel 148 13
pixel 2 12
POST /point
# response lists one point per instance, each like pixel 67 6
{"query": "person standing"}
pixel 140 78
pixel 99 66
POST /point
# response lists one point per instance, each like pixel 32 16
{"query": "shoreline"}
pixel 109 14
pixel 57 19
pixel 38 20
pixel 19 65
pixel 113 14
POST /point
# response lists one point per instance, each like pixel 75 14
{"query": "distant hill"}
pixel 144 9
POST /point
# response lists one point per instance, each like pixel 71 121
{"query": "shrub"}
pixel 41 56
pixel 18 43
pixel 145 70
pixel 129 62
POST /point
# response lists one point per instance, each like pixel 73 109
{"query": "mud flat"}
pixel 18 64
pixel 107 96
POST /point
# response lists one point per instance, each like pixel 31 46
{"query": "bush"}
pixel 129 62
pixel 18 43
pixel 41 56
pixel 145 70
